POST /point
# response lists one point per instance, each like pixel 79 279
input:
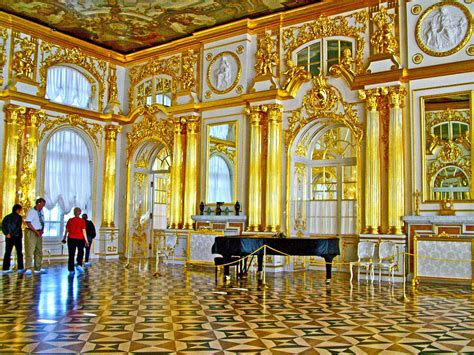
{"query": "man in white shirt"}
pixel 34 237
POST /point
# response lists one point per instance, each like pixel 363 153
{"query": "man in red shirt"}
pixel 76 239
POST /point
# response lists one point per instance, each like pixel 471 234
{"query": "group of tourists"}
pixel 79 234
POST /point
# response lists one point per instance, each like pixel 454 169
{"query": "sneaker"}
pixel 28 272
pixel 7 271
pixel 79 268
pixel 88 263
pixel 71 273
pixel 20 271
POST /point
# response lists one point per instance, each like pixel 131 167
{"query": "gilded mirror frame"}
pixel 428 143
pixel 233 158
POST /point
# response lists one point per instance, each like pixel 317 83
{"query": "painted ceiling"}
pixel 127 26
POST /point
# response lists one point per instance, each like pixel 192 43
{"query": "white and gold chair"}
pixel 387 259
pixel 365 258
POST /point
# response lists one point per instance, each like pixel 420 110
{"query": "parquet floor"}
pixel 109 309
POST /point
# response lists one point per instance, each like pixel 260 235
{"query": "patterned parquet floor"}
pixel 109 309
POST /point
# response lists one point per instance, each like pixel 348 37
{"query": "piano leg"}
pixel 328 260
pixel 227 260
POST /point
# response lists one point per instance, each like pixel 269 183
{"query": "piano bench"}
pixel 219 260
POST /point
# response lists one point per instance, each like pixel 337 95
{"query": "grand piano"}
pixel 229 246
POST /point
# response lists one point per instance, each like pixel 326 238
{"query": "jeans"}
pixel 72 245
pixel 10 243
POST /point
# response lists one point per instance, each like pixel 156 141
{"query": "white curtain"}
pixel 67 172
pixel 220 180
pixel 68 86
pixel 220 131
pixel 322 217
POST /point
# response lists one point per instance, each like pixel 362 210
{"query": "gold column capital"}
pixel 12 112
pixel 111 132
pixel 192 124
pixel 274 112
pixel 396 96
pixel 37 117
pixel 371 97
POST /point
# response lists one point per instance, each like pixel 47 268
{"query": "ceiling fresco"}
pixel 127 26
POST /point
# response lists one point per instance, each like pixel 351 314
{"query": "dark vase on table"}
pixel 237 208
pixel 201 208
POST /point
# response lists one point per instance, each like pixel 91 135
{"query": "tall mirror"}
pixel 448 135
pixel 221 163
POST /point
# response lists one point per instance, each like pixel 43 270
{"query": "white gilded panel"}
pixel 200 247
pixel 446 250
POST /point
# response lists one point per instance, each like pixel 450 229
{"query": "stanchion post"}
pixel 264 268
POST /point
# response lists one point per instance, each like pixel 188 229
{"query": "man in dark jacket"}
pixel 11 227
pixel 90 231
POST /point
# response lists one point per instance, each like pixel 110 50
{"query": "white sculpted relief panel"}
pixel 443 29
pixel 224 72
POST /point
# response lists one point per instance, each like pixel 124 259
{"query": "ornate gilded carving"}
pixel 3 57
pixel 188 79
pixel 148 128
pixel 383 40
pixel 55 55
pixel 94 130
pixel 139 236
pixel 267 56
pixel 324 101
pixel 353 25
pixel 24 57
pixel 221 148
pixel 321 97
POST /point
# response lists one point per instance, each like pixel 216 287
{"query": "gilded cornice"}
pixel 94 130
pixel 55 55
pixel 150 127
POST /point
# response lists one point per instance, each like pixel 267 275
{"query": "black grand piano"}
pixel 229 246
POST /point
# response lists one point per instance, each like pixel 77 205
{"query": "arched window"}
pixel 154 91
pixel 220 180
pixel 67 179
pixel 68 86
pixel 321 55
pixel 161 188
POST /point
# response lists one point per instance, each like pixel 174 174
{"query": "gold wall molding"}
pixel 55 55
pixel 94 130
pixel 188 71
pixel 23 57
pixel 3 57
pixel 149 128
pixel 267 56
pixel 383 40
pixel 323 101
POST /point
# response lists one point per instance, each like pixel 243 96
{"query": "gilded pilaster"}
pixel 396 182
pixel 27 188
pixel 372 161
pixel 190 187
pixel 13 114
pixel 255 168
pixel 176 181
pixel 108 204
pixel 274 173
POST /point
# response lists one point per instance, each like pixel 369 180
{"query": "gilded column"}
pixel 176 183
pixel 273 177
pixel 13 114
pixel 255 168
pixel 108 204
pixel 396 183
pixel 190 188
pixel 27 189
pixel 372 162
